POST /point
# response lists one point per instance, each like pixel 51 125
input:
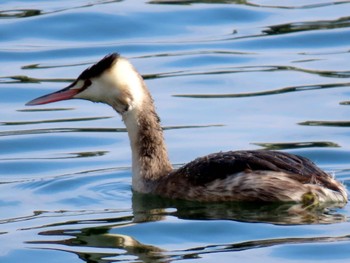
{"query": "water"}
pixel 224 74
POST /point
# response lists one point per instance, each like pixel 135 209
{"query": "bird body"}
pixel 260 175
pixel 225 176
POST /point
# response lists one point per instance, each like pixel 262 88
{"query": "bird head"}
pixel 113 80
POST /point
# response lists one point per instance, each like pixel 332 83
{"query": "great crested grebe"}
pixel 258 175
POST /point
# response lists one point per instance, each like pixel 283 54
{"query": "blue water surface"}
pixel 224 75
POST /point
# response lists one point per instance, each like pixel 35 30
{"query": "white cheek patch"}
pixel 126 77
pixel 95 91
pixel 121 87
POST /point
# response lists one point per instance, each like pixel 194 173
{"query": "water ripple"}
pixel 296 145
pixel 19 13
pixel 326 123
pixel 268 92
pixel 65 185
pixel 91 129
pixel 308 26
pixel 249 3
pixel 14 123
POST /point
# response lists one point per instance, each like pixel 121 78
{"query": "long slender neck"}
pixel 149 155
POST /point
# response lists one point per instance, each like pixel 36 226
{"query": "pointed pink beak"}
pixel 63 94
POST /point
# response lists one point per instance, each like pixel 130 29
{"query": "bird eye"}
pixel 87 83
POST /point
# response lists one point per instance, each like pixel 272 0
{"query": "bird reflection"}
pixel 102 243
pixel 153 208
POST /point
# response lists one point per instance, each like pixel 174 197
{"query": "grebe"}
pixel 258 175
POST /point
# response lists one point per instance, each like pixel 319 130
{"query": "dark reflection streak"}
pixel 23 13
pixel 231 70
pixel 243 2
pixel 322 73
pixel 344 103
pixel 62 130
pixel 282 29
pixel 19 13
pixel 90 4
pixel 331 3
pixel 184 73
pixel 289 28
pixel 192 126
pixel 108 246
pixel 39 110
pixel 191 53
pixel 67 213
pixel 51 121
pixel 261 243
pixel 26 79
pixel 99 238
pixel 264 93
pixel 189 73
pixel 103 223
pixel 306 60
pixel 322 53
pixel 38 66
pixel 70 156
pixel 308 26
pixel 326 123
pixel 296 145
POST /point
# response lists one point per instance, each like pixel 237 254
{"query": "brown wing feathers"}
pixel 205 169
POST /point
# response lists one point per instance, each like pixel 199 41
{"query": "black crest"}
pixel 98 68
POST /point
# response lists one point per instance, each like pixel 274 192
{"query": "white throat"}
pixel 130 119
